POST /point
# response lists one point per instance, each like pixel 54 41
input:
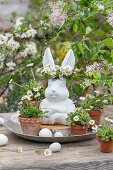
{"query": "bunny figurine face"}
pixel 57 100
pixel 56 91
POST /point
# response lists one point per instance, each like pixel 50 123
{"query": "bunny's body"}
pixel 57 100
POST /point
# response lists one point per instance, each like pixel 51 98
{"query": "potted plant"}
pixel 79 121
pixel 31 118
pixel 94 105
pixel 105 138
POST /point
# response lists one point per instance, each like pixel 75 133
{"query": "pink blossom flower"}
pixel 58 16
pixel 110 19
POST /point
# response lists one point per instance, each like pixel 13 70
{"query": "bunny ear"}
pixel 48 59
pixel 69 59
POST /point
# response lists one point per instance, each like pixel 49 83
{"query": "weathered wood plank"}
pixel 73 156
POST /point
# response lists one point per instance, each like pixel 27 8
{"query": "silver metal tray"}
pixel 16 129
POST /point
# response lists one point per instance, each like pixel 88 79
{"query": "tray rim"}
pixel 25 136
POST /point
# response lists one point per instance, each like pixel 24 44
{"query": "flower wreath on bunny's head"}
pixel 52 71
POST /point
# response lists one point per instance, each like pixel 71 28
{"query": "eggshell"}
pixel 55 147
pixel 1 121
pixel 3 139
pixel 45 132
pixel 58 134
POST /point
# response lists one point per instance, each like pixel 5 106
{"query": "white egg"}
pixel 3 139
pixel 55 147
pixel 58 134
pixel 1 121
pixel 45 132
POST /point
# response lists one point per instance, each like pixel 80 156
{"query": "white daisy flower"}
pixel 37 95
pixel 95 128
pixel 53 77
pixel 111 121
pixel 92 122
pixel 23 98
pixel 29 93
pixel 91 107
pixel 82 98
pixel 28 98
pixel 105 101
pixel 76 118
pixel 96 91
pixel 20 103
pixel 88 95
pixel 88 109
pixel 61 77
pixel 98 100
pixel 20 149
pixel 35 89
pixel 47 152
pixel 92 97
pixel 107 119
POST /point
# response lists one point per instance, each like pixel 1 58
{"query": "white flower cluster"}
pixel 3 39
pixel 29 32
pixel 31 94
pixel 19 22
pixel 12 44
pixel 85 84
pixel 100 7
pixel 11 65
pixel 110 19
pixel 30 49
pixel 93 68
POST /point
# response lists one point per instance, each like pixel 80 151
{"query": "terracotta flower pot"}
pixel 96 115
pixel 35 102
pixel 78 129
pixel 105 146
pixel 30 126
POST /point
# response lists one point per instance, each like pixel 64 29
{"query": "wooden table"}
pixel 83 155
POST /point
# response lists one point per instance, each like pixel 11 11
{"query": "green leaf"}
pixel 4 80
pixel 88 30
pixel 75 27
pixel 79 45
pixel 108 42
pixel 93 81
pixel 73 5
pixel 38 151
pixel 101 83
pixel 96 76
pixel 103 76
pixel 112 53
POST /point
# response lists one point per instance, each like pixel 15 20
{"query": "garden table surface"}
pixel 84 155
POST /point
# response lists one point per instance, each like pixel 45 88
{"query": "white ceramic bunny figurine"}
pixel 57 100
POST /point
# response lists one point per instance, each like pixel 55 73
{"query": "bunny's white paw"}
pixel 58 118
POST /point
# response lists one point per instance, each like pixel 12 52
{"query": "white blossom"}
pixel 100 7
pixel 12 44
pixel 11 65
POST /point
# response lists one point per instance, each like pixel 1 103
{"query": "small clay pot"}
pixel 30 126
pixel 105 146
pixel 34 102
pixel 95 115
pixel 78 129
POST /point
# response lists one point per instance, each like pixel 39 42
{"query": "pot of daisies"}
pixel 94 105
pixel 79 121
pixel 104 136
pixel 30 118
